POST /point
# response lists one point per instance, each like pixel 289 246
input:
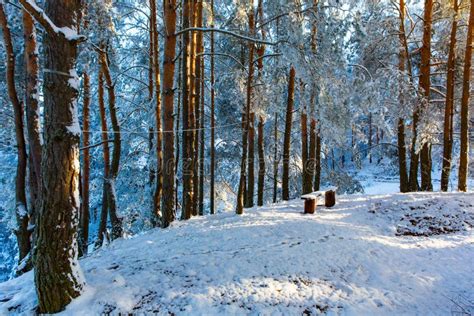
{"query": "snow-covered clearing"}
pixel 350 259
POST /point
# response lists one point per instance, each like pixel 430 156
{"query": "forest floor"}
pixel 370 254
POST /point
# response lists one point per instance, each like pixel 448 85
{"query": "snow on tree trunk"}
pixel 58 276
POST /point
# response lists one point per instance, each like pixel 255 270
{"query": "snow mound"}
pixel 349 259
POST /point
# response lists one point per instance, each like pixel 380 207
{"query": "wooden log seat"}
pixel 310 199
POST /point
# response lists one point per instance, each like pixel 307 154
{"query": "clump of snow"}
pixel 277 260
pixel 75 127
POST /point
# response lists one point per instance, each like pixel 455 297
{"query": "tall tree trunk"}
pixel 287 140
pixel 241 193
pixel 169 173
pixel 151 89
pixel 306 174
pixel 251 163
pixel 84 218
pixel 158 118
pixel 21 212
pixel 106 154
pixel 402 163
pixel 187 114
pixel 115 220
pixel 58 278
pixel 32 120
pixel 317 175
pixel 194 109
pixel 261 161
pixel 213 121
pixel 425 85
pixel 275 160
pixel 464 154
pixel 370 138
pixel 32 112
pixel 202 144
pixel 449 108
pixel 196 98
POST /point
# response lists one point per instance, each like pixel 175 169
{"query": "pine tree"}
pixel 57 273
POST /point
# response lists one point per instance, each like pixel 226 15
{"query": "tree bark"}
pixel 187 118
pixel 287 139
pixel 106 154
pixel 402 163
pixel 449 108
pixel 213 121
pixel 317 175
pixel 84 218
pixel 251 163
pixel 370 138
pixel 58 278
pixel 169 172
pixel 464 154
pixel 196 99
pixel 261 161
pixel 246 119
pixel 275 160
pixel 115 220
pixel 158 118
pixel 425 85
pixel 21 212
pixel 194 109
pixel 306 174
pixel 202 144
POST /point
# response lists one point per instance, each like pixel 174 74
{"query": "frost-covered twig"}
pixel 242 37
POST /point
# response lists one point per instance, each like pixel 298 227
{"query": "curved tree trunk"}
pixel 115 163
pixel 106 154
pixel 21 231
pixel 464 155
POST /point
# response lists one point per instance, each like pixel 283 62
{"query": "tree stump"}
pixel 309 206
pixel 330 198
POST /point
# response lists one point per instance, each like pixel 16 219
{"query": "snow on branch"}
pixel 242 37
pixel 40 16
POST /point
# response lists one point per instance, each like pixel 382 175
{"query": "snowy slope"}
pixel 357 258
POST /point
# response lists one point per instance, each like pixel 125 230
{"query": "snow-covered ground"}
pixel 358 258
